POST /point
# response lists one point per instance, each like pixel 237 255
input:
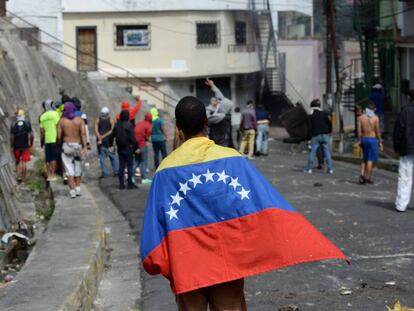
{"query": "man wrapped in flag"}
pixel 212 219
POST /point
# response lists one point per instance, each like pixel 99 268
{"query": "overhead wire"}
pixel 95 57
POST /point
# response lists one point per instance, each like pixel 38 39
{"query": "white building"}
pixel 167 45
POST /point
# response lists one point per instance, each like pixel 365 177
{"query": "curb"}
pixel 65 267
pixel 390 165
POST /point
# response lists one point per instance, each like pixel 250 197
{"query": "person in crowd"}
pixel 48 123
pixel 404 147
pixel 21 140
pixel 158 137
pixel 235 124
pixel 219 117
pixel 321 129
pixel 72 135
pixel 263 123
pixel 210 206
pixel 378 97
pixel 369 134
pixel 79 113
pixel 127 145
pixel 143 132
pixel 125 105
pixel 103 128
pixel 248 127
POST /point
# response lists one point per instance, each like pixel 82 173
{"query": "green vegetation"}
pixel 45 205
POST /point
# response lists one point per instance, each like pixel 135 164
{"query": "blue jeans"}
pixel 159 146
pixel 142 162
pixel 262 139
pixel 105 153
pixel 126 159
pixel 323 141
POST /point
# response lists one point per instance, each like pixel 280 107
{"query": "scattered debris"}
pixel 345 292
pixel 391 283
pixel 6 238
pixel 318 184
pixel 290 307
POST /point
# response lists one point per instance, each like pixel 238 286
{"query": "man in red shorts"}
pixel 21 138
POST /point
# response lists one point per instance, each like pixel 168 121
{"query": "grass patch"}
pixel 45 205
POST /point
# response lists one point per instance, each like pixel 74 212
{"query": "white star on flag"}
pixel 234 183
pixel 184 188
pixel 172 213
pixel 244 194
pixel 195 180
pixel 209 176
pixel 222 177
pixel 176 199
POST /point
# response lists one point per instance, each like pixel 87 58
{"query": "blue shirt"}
pixel 261 114
pixel 379 100
pixel 157 134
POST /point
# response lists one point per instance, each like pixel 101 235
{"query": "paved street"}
pixel 359 219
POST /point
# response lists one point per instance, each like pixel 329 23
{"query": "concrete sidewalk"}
pixel 65 267
pixel 359 219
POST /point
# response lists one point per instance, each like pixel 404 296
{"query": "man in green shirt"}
pixel 48 137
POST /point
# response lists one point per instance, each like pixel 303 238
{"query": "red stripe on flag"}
pixel 270 239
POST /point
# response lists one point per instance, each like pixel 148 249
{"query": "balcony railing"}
pixel 241 48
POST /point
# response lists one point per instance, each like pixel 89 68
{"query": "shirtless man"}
pixel 71 132
pixel 370 135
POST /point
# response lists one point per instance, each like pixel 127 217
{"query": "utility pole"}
pixel 328 57
pixel 332 42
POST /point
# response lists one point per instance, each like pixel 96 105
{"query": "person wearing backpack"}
pixel 127 145
pixel 21 140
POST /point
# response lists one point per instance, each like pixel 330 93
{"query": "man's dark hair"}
pixel 411 95
pixel 190 115
pixel 250 102
pixel 371 105
pixel 315 103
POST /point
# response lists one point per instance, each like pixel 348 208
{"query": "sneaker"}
pixel 78 191
pixel 251 158
pixel 308 171
pixel 146 181
pixel 72 193
pixel 330 172
pixel 361 180
pixel 53 178
pixel 132 187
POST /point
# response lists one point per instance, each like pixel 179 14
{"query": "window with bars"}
pixel 208 34
pixel 133 36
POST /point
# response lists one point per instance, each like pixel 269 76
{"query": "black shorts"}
pixel 51 152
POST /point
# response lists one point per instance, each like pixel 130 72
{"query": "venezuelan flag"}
pixel 211 217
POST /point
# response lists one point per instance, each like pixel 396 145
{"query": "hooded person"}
pixel 125 140
pixel 219 117
pixel 321 129
pixel 48 122
pixel 142 133
pixel 21 140
pixel 158 137
pixel 103 127
pixel 125 105
pixel 71 132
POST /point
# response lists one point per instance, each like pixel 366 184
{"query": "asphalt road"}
pixel 359 219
